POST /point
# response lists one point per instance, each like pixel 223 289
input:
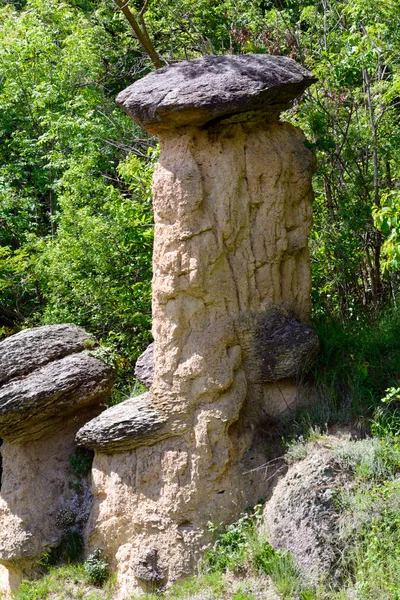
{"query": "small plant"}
pixel 81 462
pixel 68 551
pixel 89 344
pixel 96 568
pixel 232 547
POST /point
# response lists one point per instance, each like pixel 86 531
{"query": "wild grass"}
pixel 66 582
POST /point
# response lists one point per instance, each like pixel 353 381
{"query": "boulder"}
pixel 122 427
pixel 31 349
pixel 32 405
pixel 144 368
pixel 205 89
pixel 281 347
pixel 302 516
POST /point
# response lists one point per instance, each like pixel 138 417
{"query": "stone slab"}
pixel 212 87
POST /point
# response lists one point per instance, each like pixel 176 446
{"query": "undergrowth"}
pixel 62 583
pixel 357 363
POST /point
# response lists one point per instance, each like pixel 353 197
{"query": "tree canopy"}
pixel 75 201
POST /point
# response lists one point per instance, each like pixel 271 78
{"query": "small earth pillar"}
pixel 49 387
pixel 231 301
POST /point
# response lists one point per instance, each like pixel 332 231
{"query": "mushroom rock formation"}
pixel 231 301
pixel 49 387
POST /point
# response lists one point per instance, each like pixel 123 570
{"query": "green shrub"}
pixel 69 550
pixel 96 568
pixel 357 363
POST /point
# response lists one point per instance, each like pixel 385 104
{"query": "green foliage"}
pixel 68 581
pixel 69 550
pixel 239 548
pixel 96 568
pixel 75 212
pixel 81 462
pixel 357 362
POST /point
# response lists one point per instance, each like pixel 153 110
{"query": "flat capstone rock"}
pixel 31 349
pixel 123 427
pixel 37 403
pixel 208 89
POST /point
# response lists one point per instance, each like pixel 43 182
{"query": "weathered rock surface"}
pixel 123 427
pixel 45 398
pixel 202 90
pixel 282 347
pixel 33 405
pixel 31 349
pixel 232 218
pixel 151 506
pixel 37 486
pixel 301 515
pixel 144 368
pixel 232 207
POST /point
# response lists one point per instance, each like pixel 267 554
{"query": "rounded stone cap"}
pixel 199 91
pixel 45 376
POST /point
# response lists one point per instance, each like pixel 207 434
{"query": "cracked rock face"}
pixel 31 349
pixel 37 403
pixel 231 295
pixel 202 90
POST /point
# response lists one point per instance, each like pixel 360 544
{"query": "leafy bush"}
pixel 96 568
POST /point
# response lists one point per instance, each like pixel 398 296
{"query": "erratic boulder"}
pixel 302 515
pixel 281 347
pixel 202 90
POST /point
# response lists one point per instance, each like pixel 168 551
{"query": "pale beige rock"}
pixel 232 216
pixel 44 400
pixel 37 486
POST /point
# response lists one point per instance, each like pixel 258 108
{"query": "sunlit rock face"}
pixel 49 387
pixel 231 301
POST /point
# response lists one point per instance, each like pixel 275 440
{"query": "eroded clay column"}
pixel 49 387
pixel 231 296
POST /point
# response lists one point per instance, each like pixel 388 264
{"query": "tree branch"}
pixel 141 34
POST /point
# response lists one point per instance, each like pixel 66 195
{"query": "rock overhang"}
pixel 212 88
pixel 124 427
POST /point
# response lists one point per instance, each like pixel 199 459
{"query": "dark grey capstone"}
pixel 205 89
pixel 30 349
pixel 34 404
pixel 282 347
pixel 123 427
pixel 144 368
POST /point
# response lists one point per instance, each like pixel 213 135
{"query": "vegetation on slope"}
pixel 76 227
